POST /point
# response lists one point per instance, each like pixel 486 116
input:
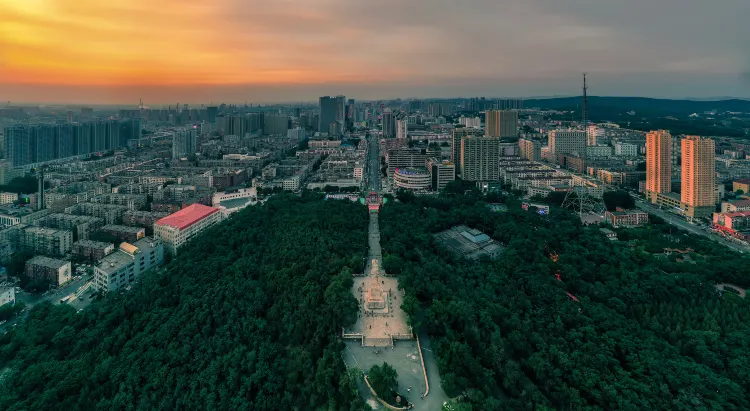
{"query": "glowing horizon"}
pixel 196 50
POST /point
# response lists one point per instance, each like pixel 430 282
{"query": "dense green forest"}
pixel 640 329
pixel 246 317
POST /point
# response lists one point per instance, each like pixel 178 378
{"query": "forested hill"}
pixel 648 331
pixel 245 318
pixel 641 104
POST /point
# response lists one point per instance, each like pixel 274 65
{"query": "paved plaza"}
pixel 380 317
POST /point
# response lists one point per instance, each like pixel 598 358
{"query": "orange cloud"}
pixel 97 42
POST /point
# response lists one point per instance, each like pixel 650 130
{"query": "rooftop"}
pixel 738 214
pixel 122 228
pixel 187 216
pixel 92 244
pixel 114 261
pixel 47 262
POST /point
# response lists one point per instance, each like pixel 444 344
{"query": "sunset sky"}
pixel 115 51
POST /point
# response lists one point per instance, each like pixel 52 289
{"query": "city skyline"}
pixel 57 51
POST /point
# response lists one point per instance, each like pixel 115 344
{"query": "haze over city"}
pixel 234 51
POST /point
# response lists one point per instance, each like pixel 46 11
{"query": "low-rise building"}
pixel 179 228
pixel 7 296
pixel 50 270
pixel 737 223
pixel 8 198
pixel 48 241
pixel 743 184
pixel 626 218
pixel 124 266
pixel 142 218
pixel 125 233
pixel 92 250
pixel 9 220
pixel 735 205
pixel 411 178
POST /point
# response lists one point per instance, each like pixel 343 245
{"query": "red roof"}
pixel 737 214
pixel 187 216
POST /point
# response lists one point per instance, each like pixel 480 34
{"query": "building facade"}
pixel 658 164
pixel 441 172
pixel 50 270
pixel 179 228
pixel 501 123
pixel 698 176
pixel 123 267
pixel 567 142
pixel 480 158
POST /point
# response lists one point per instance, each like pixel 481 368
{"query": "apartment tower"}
pixel 698 176
pixel 658 163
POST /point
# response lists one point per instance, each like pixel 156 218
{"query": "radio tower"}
pixel 585 102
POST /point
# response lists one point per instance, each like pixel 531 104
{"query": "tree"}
pixel 739 192
pixel 619 198
pixel 383 379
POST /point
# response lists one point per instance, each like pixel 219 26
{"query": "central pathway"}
pixel 404 356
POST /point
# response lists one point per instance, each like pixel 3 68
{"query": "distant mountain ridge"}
pixel 666 106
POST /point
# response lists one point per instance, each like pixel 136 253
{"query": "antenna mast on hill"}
pixel 585 102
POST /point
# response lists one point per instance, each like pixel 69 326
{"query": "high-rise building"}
pixel 698 176
pixel 402 128
pixel 530 149
pixel 184 142
pixel 480 158
pixel 510 104
pixel 275 124
pixel 331 110
pixel 501 123
pixel 441 172
pixel 658 163
pixel 567 142
pixel 389 123
pixel 458 134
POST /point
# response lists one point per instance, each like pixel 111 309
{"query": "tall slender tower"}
pixel 698 176
pixel 658 163
pixel 585 102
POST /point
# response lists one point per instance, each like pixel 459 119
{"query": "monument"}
pixel 376 298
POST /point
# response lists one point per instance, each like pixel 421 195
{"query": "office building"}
pixel 698 176
pixel 441 172
pixel 408 158
pixel 179 228
pixel 50 270
pixel 567 142
pixel 275 124
pixel 331 110
pixel 122 268
pixel 389 123
pixel 501 123
pixel 184 143
pixel 480 158
pixel 411 178
pixel 530 149
pixel 658 163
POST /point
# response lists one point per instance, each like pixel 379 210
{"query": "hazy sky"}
pixel 115 51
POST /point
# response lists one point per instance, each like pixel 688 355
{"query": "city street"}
pixel 691 228
pixel 54 297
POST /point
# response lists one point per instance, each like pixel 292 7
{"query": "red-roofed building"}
pixel 178 228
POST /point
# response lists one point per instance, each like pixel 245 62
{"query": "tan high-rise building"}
pixel 501 123
pixel 698 176
pixel 530 149
pixel 658 163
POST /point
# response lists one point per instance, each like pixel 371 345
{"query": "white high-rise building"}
pixel 402 128
pixel 184 142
